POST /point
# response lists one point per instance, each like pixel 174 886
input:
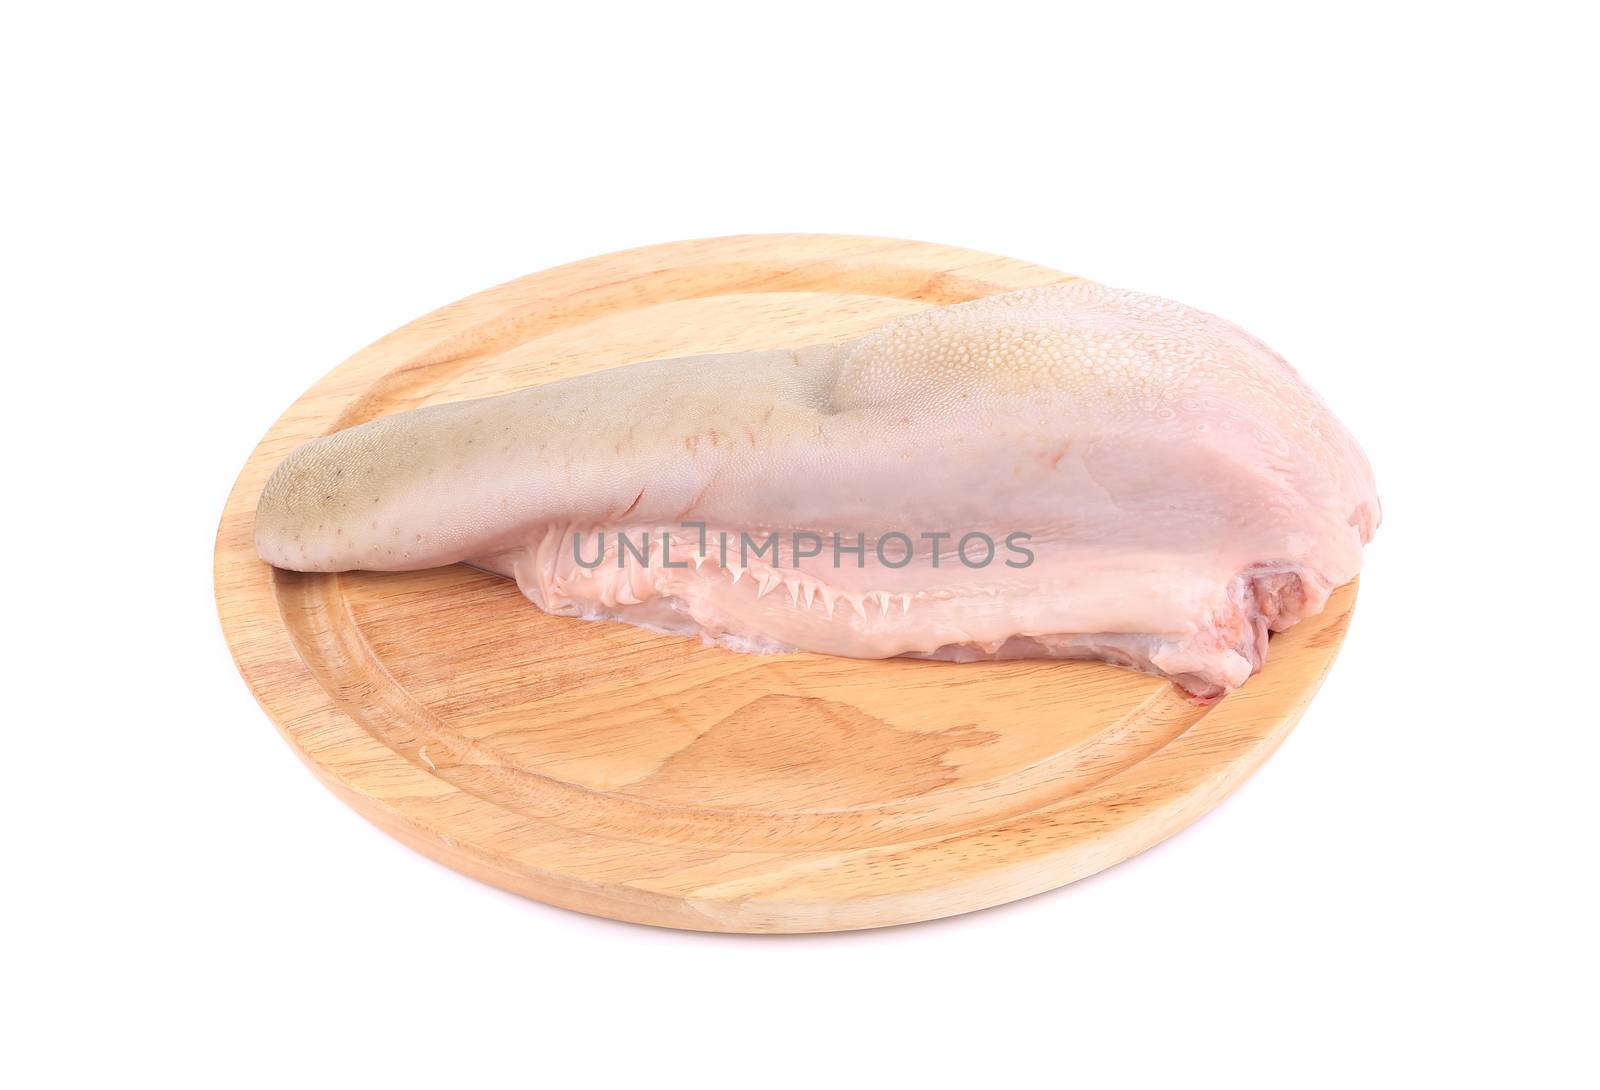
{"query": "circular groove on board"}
pixel 648 778
pixel 330 643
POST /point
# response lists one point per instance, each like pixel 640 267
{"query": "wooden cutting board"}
pixel 610 770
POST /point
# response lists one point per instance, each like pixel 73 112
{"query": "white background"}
pixel 208 207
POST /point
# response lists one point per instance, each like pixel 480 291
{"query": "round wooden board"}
pixel 649 778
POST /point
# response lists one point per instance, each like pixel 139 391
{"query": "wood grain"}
pixel 648 778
